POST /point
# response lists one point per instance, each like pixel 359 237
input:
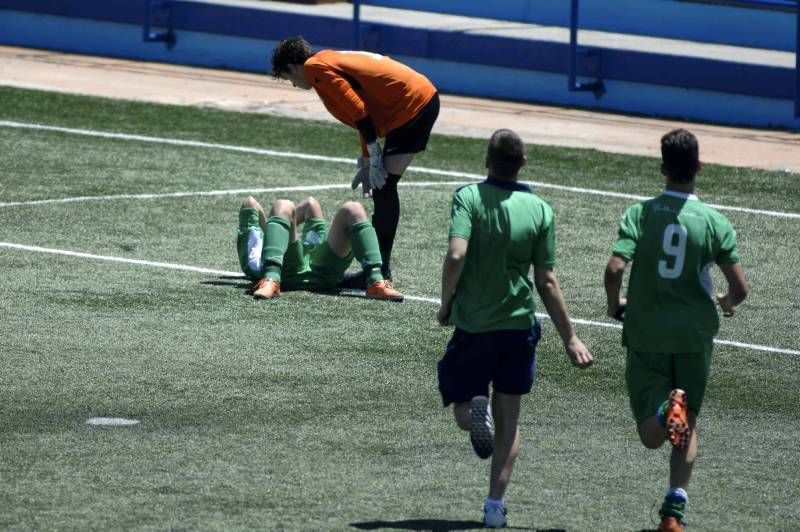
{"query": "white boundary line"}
pixel 183 267
pixel 248 191
pixel 305 156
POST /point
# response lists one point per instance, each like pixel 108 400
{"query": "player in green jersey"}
pixel 272 254
pixel 499 229
pixel 669 316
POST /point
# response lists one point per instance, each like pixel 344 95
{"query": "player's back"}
pixel 510 228
pixel 393 92
pixel 678 239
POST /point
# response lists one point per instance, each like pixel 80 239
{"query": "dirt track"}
pixel 474 117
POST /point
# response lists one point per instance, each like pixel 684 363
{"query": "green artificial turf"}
pixel 318 412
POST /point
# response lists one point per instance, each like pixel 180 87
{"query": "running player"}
pixel 379 97
pixel 498 229
pixel 272 255
pixel 669 316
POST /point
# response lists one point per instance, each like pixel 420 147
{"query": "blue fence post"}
pixel 797 65
pixel 597 87
pixel 356 24
pixel 148 35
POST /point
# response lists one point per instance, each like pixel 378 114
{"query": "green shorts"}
pixel 308 263
pixel 650 377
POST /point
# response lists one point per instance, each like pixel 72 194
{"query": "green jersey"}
pixel 673 240
pixel 508 229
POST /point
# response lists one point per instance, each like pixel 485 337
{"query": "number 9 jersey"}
pixel 673 241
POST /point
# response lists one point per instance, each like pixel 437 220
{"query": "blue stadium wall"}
pixel 241 38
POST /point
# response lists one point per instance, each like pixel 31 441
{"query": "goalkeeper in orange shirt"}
pixel 379 97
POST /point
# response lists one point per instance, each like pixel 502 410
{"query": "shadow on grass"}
pixel 243 283
pixel 435 525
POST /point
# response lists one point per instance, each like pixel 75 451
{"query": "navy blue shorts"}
pixel 506 359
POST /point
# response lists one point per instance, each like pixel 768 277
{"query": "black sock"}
pixel 386 217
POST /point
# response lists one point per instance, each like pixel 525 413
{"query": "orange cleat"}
pixel 677 419
pixel 266 288
pixel 671 524
pixel 384 290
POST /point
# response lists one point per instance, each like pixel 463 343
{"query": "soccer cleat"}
pixel 481 431
pixel 266 288
pixel 671 524
pixel 494 517
pixel 384 290
pixel 677 419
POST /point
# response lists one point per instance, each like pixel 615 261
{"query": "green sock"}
pixel 366 249
pixel 276 241
pixel 674 504
pixel 661 413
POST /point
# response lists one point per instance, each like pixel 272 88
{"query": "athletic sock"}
pixel 675 503
pixel 366 250
pixel 661 413
pixel 386 217
pixel 276 241
pixel 494 503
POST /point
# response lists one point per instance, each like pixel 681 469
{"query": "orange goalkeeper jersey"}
pixel 353 85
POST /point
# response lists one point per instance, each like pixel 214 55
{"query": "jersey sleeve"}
pixel 727 244
pixel 461 215
pixel 628 233
pixel 544 250
pixel 336 92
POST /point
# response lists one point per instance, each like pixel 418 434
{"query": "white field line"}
pixel 311 157
pixel 240 191
pixel 184 267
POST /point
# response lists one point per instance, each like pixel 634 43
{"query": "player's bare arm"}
pixel 615 271
pixel 451 273
pixel 550 292
pixel 737 288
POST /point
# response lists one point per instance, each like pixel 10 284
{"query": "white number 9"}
pixel 674 245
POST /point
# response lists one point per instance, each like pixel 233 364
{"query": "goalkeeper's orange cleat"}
pixel 266 288
pixel 671 524
pixel 384 290
pixel 677 419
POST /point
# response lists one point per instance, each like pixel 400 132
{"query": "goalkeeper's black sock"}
pixel 386 218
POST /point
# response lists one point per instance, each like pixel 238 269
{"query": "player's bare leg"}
pixel 251 203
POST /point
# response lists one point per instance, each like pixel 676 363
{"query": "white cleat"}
pixel 494 517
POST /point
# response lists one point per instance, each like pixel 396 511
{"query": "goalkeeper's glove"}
pixel 377 173
pixel 362 177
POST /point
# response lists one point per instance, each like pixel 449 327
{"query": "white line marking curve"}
pixel 305 156
pixel 183 267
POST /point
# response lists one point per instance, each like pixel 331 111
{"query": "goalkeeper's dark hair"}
pixel 505 154
pixel 291 51
pixel 680 155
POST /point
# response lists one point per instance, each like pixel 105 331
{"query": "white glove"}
pixel 377 173
pixel 362 177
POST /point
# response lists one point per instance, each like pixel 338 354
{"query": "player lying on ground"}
pixel 273 255
pixel 498 229
pixel 669 315
pixel 379 97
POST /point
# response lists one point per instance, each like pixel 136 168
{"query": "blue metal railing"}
pixel 597 86
pixel 797 66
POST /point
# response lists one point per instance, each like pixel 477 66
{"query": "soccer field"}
pixel 121 298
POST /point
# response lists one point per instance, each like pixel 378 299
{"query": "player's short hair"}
pixel 680 155
pixel 505 154
pixel 291 51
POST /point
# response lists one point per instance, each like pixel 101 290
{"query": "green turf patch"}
pixel 317 412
